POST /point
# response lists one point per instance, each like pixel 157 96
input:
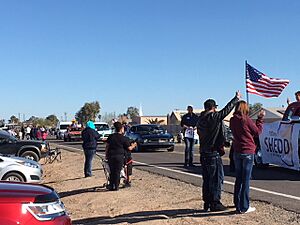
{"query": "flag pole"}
pixel 247 94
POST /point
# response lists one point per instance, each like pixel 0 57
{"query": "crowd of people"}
pixel 210 128
pixel 29 132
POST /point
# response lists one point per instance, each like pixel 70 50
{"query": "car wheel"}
pixel 171 149
pixel 30 155
pixel 14 177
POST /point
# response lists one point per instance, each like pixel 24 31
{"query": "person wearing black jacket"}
pixel 210 130
pixel 89 145
pixel 116 146
pixel 188 123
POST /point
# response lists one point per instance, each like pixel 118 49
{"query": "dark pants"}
pixel 231 158
pixel 189 150
pixel 89 155
pixel 213 177
pixel 243 170
pixel 115 165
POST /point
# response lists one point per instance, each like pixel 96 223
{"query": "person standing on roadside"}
pixel 297 97
pixel 34 133
pixel 22 136
pixel 116 147
pixel 244 132
pixel 188 123
pixel 210 130
pixel 28 132
pixel 89 145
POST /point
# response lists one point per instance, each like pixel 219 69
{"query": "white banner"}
pixel 279 144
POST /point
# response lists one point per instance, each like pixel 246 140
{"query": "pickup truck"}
pixel 30 149
pixel 279 143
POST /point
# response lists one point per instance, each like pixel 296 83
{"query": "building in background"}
pixel 161 120
pixel 272 114
pixel 175 116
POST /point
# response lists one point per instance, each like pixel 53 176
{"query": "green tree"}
pixel 89 111
pixel 14 119
pixel 52 120
pixel 255 107
pixel 155 121
pixel 132 112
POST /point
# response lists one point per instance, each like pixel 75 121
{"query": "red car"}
pixel 31 204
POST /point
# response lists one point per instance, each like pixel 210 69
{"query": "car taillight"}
pixel 45 211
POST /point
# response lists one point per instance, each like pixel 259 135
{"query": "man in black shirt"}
pixel 210 130
pixel 116 145
pixel 188 123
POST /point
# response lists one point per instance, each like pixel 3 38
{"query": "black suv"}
pixel 10 145
pixel 151 137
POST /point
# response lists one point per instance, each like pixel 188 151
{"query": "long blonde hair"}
pixel 242 107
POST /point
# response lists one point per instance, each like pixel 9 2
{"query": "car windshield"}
pixel 150 129
pixel 101 127
pixel 64 127
pixel 75 129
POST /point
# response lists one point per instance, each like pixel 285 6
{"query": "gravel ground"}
pixel 152 199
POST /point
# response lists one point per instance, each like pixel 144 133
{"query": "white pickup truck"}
pixel 104 130
pixel 279 143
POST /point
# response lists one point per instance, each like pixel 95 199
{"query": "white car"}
pixel 19 169
pixel 103 129
pixel 62 129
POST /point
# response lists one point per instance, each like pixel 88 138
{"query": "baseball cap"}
pixel 210 103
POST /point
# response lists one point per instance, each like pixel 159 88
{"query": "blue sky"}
pixel 57 55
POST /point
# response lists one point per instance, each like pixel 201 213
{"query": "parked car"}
pixel 31 204
pixel 73 134
pixel 151 136
pixel 279 143
pixel 61 129
pixel 20 170
pixel 30 149
pixel 104 130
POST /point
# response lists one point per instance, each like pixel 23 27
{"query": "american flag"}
pixel 260 84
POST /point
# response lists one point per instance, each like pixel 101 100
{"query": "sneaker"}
pixel 249 210
pixel 127 184
pixel 206 206
pixel 217 207
pixel 192 165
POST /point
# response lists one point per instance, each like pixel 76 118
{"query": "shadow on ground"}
pixel 145 216
pixel 82 191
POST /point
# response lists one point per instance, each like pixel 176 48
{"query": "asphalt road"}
pixel 278 186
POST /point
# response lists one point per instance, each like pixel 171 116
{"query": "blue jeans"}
pixel 189 150
pixel 89 155
pixel 213 177
pixel 243 170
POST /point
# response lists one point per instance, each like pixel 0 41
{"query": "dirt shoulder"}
pixel 152 199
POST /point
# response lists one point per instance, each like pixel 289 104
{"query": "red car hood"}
pixel 11 192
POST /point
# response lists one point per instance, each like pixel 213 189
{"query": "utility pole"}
pixel 66 118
